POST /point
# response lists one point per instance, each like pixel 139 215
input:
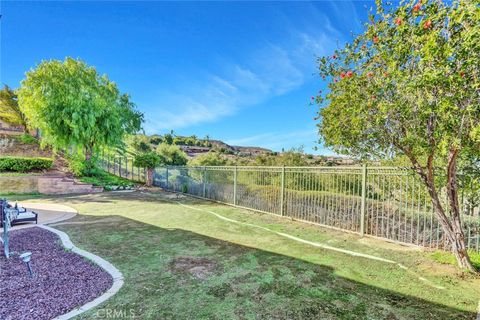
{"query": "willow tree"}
pixel 409 85
pixel 75 107
pixel 9 109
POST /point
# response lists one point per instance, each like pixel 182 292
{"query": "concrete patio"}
pixel 47 213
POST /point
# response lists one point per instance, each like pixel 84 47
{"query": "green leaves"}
pixel 75 107
pixel 415 86
pixel 171 155
pixel 148 160
pixel 9 110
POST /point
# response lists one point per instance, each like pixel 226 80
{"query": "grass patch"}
pixel 21 196
pixel 18 174
pixel 188 264
pixel 107 180
pixel 448 258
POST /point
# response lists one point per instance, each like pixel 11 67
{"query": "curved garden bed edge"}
pixel 117 276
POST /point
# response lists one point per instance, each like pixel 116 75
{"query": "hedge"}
pixel 20 164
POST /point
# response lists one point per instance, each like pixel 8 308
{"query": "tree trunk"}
pixel 451 227
pixel 149 178
pixel 88 154
pixel 459 249
pixel 456 236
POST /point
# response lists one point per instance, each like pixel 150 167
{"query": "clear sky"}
pixel 242 72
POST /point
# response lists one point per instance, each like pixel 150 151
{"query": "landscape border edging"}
pixel 117 276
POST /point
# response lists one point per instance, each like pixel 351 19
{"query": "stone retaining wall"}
pixel 19 184
pixel 13 147
pixel 44 185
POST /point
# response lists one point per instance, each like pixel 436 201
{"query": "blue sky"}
pixel 242 72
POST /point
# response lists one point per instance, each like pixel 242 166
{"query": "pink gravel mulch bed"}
pixel 63 280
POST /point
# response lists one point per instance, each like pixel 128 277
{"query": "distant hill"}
pixel 222 147
pixel 243 155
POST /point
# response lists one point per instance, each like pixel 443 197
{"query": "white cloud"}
pixel 270 71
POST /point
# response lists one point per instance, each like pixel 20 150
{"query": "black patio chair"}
pixel 22 217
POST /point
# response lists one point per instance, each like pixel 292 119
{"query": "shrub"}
pixel 20 164
pixel 81 168
pixel 107 180
pixel 147 160
pixel 209 159
pixel 28 139
pixel 171 155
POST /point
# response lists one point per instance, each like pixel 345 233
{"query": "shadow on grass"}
pixel 178 274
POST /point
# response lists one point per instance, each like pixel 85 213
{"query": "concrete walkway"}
pixel 47 213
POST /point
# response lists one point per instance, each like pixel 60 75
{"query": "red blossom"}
pixel 370 74
pixel 349 74
pixel 417 7
pixel 375 39
pixel 342 75
pixel 334 56
pixel 398 21
pixel 427 24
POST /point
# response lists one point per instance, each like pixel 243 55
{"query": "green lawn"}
pixel 182 263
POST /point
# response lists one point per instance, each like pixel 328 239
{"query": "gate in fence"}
pixel 385 202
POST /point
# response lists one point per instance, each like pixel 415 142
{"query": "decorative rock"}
pixel 63 280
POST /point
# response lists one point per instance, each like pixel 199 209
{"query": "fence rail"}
pixel 384 202
pixel 123 167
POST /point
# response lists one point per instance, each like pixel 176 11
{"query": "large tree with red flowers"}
pixel 410 85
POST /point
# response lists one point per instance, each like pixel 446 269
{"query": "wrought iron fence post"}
pixel 166 184
pixel 120 166
pixel 282 192
pixel 364 200
pixel 204 182
pixel 235 186
pixel 133 168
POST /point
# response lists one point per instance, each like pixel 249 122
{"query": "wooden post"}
pixel 364 200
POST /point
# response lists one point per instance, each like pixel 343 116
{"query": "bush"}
pixel 147 160
pixel 28 139
pixel 171 155
pixel 19 164
pixel 80 168
pixel 107 180
pixel 209 159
